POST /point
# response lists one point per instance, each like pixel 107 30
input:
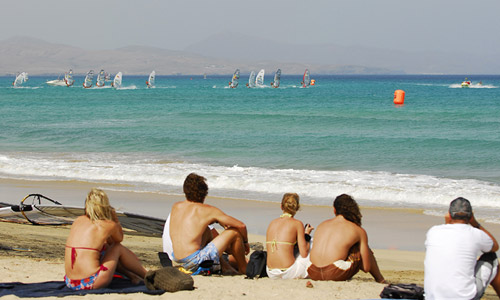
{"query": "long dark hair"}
pixel 346 206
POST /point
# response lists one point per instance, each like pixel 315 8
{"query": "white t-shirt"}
pixel 167 242
pixel 450 257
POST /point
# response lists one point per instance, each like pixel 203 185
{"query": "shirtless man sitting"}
pixel 340 248
pixel 191 239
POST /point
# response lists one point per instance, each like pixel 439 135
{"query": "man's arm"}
pixel 475 223
pixel 368 259
pixel 364 250
pixel 227 221
pixel 301 240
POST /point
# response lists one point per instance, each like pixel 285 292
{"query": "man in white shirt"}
pixel 452 270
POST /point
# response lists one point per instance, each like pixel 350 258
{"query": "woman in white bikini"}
pixel 282 235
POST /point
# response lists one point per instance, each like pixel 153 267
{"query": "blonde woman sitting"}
pixel 93 249
pixel 282 235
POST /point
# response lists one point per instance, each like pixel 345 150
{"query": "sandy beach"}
pixel 396 236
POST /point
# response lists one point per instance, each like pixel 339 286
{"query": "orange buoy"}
pixel 313 81
pixel 399 97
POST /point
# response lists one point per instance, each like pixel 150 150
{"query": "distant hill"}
pixel 222 54
pixel 38 57
pixel 370 60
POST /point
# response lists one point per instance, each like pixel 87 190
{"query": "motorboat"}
pixel 466 83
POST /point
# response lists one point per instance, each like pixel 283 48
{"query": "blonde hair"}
pixel 97 206
pixel 290 203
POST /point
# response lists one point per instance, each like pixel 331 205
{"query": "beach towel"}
pixel 59 289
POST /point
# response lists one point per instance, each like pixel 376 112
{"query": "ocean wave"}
pixel 146 172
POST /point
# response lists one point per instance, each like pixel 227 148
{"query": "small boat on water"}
pixel 87 83
pixel 66 80
pixel 151 80
pixel 466 83
pixel 235 79
pixel 56 82
pixel 20 79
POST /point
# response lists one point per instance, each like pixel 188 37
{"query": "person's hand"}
pixel 473 222
pixel 309 228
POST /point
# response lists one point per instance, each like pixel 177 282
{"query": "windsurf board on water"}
pixel 45 211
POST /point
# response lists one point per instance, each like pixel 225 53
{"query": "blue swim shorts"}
pixel 193 261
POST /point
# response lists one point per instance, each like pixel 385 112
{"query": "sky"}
pixel 425 25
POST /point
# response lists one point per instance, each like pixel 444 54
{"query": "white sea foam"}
pixel 152 173
pixel 130 87
pixel 473 86
pixel 25 87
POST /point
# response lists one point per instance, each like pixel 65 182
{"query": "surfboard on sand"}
pixel 37 209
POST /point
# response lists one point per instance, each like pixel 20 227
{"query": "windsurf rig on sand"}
pixel 38 209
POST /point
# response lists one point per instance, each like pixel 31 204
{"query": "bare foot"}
pixel 136 279
pixel 228 270
pixel 381 280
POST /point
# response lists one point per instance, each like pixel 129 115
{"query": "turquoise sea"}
pixel 343 135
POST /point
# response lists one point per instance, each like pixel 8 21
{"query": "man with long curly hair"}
pixel 340 248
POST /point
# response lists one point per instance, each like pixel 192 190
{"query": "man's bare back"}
pixel 333 240
pixel 340 248
pixel 188 223
pixel 189 220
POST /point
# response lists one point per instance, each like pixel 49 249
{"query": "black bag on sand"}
pixel 169 279
pixel 164 259
pixel 256 266
pixel 403 291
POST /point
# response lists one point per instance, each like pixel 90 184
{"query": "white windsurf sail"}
pixel 87 83
pixel 20 79
pixel 235 80
pixel 68 78
pixel 277 78
pixel 259 80
pixel 107 76
pixel 151 80
pixel 306 80
pixel 117 82
pixel 101 78
pixel 251 80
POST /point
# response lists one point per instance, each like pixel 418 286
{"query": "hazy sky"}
pixel 440 25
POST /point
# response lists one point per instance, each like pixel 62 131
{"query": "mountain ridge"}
pixel 222 54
